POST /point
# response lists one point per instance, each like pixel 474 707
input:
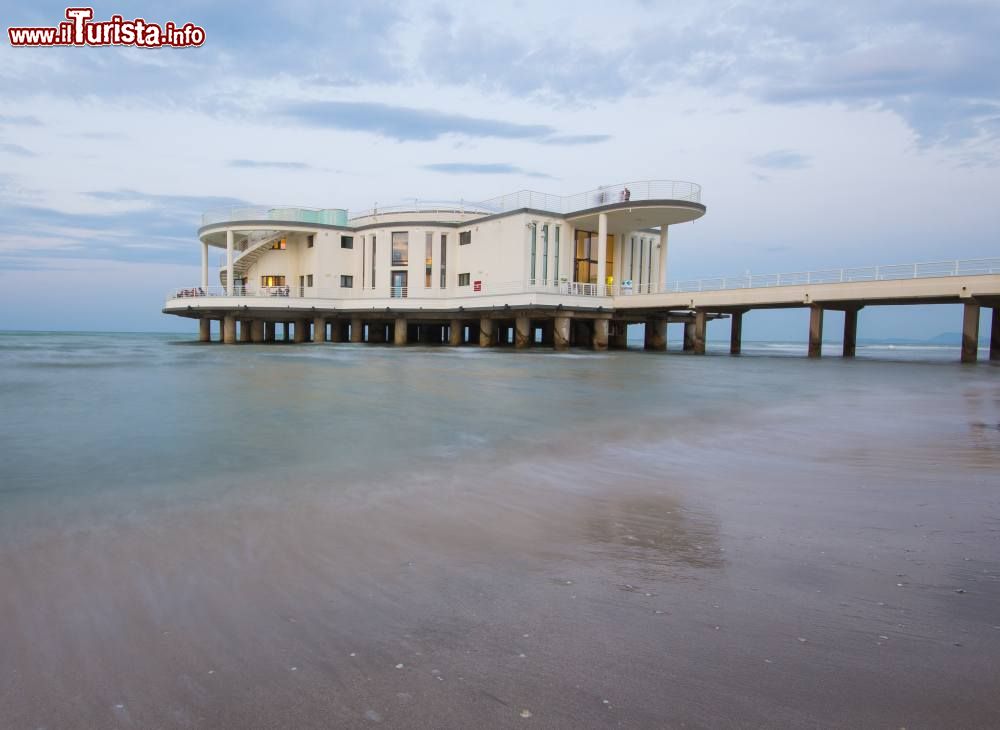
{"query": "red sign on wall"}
pixel 477 285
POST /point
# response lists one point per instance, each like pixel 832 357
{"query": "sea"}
pixel 336 535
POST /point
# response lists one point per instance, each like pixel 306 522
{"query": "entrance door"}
pixel 398 283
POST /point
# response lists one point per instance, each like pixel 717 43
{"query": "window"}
pixel 373 261
pixel 586 257
pixel 309 280
pixel 631 261
pixel 464 238
pixel 268 280
pixel 534 235
pixel 310 240
pixel 279 245
pixel 346 282
pixel 555 273
pixel 463 279
pixel 642 255
pixel 428 259
pixel 347 241
pixel 545 254
pixel 400 248
pixel 444 259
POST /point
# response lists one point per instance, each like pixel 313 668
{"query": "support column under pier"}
pixel 486 333
pixel 205 329
pixel 319 329
pixel 399 332
pixel 245 325
pixel 656 334
pixel 257 331
pixel 815 331
pixel 618 335
pixel 970 332
pixel 995 334
pixel 522 332
pixel 301 331
pixel 700 332
pixel 735 333
pixel 357 330
pixel 456 333
pixel 336 331
pixel 850 331
pixel 560 333
pixel 229 329
pixel 600 336
pixel 688 336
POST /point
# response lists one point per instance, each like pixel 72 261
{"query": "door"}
pixel 399 283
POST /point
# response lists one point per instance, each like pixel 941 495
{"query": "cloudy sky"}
pixel 824 134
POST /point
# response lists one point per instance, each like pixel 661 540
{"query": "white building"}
pixel 523 268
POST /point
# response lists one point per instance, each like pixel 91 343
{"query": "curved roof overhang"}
pixel 625 217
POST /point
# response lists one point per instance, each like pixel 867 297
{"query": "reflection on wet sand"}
pixel 651 531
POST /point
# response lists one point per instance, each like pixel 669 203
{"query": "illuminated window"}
pixel 272 280
pixel 428 259
pixel 279 245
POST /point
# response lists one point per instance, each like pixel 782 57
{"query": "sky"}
pixel 824 134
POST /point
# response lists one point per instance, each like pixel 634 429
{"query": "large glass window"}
pixel 444 259
pixel 642 258
pixel 609 266
pixel 280 245
pixel 428 259
pixel 373 262
pixel 555 274
pixel 268 280
pixel 585 260
pixel 534 236
pixel 400 248
pixel 587 251
pixel 545 253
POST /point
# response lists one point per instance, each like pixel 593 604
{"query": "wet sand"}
pixel 717 578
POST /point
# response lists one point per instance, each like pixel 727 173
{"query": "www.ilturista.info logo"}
pixel 80 30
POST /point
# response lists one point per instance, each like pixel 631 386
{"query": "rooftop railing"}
pixel 605 195
pixel 562 204
pixel 287 214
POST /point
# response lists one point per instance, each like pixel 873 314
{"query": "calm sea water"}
pixel 204 536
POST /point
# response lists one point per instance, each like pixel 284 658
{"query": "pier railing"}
pixel 966 267
pixel 478 289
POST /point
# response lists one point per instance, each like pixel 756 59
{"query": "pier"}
pixel 520 315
